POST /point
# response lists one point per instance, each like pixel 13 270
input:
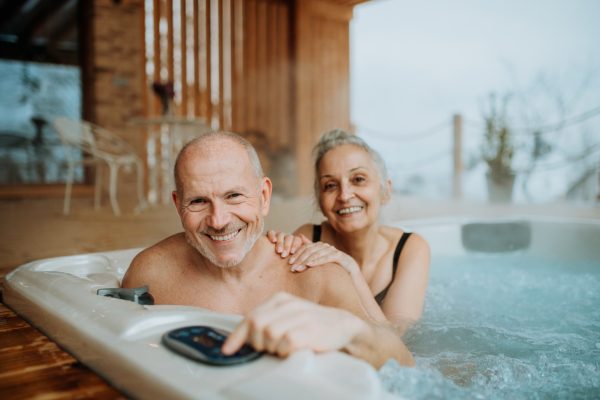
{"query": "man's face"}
pixel 221 203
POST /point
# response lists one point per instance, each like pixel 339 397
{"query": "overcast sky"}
pixel 415 63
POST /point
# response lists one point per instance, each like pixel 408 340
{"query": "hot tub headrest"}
pixel 496 237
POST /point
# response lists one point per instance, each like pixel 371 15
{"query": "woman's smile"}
pixel 349 210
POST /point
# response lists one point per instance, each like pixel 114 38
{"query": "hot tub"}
pixel 512 312
pixel 121 340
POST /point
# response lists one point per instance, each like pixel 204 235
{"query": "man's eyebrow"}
pixel 192 197
pixel 237 189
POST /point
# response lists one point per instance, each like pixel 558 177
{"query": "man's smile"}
pixel 225 237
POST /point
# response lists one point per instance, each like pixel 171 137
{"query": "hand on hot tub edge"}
pixel 286 323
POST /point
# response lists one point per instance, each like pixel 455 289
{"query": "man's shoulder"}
pixel 149 263
pixel 166 248
pixel 325 279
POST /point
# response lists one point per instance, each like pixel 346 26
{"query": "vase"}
pixel 167 106
pixel 500 186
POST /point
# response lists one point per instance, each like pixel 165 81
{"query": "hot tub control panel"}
pixel 203 343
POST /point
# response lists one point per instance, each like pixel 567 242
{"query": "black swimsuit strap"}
pixel 316 233
pixel 379 298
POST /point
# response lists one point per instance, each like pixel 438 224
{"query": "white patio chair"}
pixel 100 146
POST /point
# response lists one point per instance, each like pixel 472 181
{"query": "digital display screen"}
pixel 207 341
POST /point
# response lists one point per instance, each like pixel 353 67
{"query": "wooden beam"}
pixel 170 47
pixel 8 10
pixel 156 56
pixel 250 64
pixel 184 85
pixel 284 55
pixel 26 23
pixel 237 66
pixel 303 83
pixel 196 59
pixel 221 108
pixel 332 11
pixel 208 67
pixel 261 67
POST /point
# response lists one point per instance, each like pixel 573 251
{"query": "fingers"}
pixel 267 325
pixel 310 253
pixel 280 240
pixel 302 249
pixel 236 339
pixel 287 245
pixel 246 330
pixel 305 240
pixel 297 243
pixel 309 257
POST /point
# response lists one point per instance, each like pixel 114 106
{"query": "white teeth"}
pixel 349 210
pixel 226 237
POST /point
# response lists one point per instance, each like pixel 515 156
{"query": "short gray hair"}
pixel 338 137
pixel 257 170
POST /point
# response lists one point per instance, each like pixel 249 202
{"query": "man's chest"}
pixel 234 299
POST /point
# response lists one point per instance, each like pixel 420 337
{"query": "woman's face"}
pixel 350 189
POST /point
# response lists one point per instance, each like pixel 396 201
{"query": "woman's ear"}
pixel 387 195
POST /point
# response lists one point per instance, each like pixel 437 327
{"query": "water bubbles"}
pixel 504 328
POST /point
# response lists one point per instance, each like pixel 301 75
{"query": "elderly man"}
pixel 222 262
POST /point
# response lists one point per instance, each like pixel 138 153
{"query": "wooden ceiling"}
pixel 39 30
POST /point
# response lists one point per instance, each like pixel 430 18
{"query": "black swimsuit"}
pixel 379 298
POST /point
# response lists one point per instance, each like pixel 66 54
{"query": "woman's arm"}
pixel 316 254
pixel 406 296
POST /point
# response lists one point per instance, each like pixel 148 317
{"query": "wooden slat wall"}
pixel 322 64
pixel 281 67
pixel 253 64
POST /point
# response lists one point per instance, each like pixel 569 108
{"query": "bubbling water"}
pixel 505 327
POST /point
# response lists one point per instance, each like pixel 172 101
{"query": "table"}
pixel 171 133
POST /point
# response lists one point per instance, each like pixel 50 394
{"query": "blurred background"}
pixel 478 108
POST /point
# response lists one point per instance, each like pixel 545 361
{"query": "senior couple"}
pixel 339 286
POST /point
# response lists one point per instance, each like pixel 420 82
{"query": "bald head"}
pixel 217 144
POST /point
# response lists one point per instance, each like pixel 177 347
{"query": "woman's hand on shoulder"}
pixel 286 244
pixel 316 254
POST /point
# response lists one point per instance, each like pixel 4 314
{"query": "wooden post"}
pixel 458 162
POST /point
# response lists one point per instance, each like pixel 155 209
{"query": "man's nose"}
pixel 219 217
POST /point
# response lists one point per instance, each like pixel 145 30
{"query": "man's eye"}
pixel 235 195
pixel 197 201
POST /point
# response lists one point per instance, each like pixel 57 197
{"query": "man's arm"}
pixel 286 323
pixel 371 341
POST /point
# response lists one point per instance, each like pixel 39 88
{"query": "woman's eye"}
pixel 329 185
pixel 359 179
pixel 235 195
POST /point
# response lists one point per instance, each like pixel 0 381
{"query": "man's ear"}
pixel 266 190
pixel 388 192
pixel 175 196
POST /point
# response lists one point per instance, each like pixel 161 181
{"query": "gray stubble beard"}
pixel 247 246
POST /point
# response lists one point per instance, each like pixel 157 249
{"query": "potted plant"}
pixel 498 150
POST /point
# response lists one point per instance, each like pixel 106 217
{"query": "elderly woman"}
pixel 389 267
